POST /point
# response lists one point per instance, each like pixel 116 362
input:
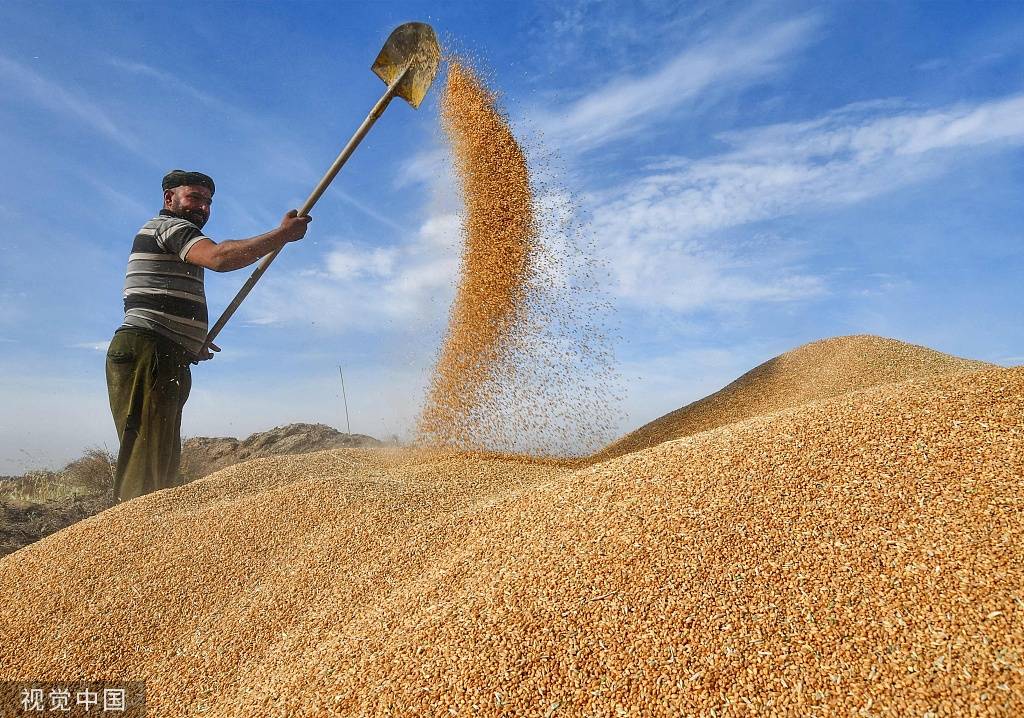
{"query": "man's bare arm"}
pixel 237 253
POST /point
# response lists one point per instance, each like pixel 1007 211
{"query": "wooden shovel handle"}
pixel 346 152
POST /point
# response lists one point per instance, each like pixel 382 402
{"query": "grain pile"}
pixel 525 365
pixel 853 556
pixel 820 370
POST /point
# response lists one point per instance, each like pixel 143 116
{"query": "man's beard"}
pixel 196 217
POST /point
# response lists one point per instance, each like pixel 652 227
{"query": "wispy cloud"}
pixel 628 103
pixel 863 133
pixel 663 231
pixel 425 168
pixel 21 80
pixel 365 286
pixel 123 203
pixel 277 151
pixel 169 80
pixel 367 210
pixel 360 286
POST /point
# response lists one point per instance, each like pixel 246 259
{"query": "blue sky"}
pixel 753 176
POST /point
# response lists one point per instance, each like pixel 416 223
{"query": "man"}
pixel 165 326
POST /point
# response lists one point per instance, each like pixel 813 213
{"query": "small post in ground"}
pixel 348 427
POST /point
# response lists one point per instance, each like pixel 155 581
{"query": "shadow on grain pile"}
pixel 855 552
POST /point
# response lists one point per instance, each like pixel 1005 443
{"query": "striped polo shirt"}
pixel 162 292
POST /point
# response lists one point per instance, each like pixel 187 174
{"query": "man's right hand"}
pixel 237 253
pixel 293 226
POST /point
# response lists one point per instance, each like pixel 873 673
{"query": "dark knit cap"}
pixel 177 178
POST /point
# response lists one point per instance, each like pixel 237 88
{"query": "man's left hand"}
pixel 207 353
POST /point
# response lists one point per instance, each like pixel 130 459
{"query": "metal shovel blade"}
pixel 411 45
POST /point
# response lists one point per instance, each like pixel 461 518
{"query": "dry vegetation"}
pixel 88 475
pixel 42 502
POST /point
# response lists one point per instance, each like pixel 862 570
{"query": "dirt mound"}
pixel 820 370
pixel 857 554
pixel 201 456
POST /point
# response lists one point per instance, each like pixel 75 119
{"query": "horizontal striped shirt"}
pixel 162 292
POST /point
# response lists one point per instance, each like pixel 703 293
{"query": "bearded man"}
pixel 165 326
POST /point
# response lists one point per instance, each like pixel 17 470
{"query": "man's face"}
pixel 191 202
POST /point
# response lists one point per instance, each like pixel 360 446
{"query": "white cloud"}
pixel 350 261
pixel 862 133
pixel 370 287
pixel 424 168
pixel 406 286
pixel 879 284
pixel 663 233
pixel 628 103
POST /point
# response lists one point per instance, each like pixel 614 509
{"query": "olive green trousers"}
pixel 148 382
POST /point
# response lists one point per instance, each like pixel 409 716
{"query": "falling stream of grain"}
pixel 499 233
pixel 525 365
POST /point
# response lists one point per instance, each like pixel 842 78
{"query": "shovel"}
pixel 407 63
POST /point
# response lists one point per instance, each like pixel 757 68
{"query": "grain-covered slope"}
pixel 857 554
pixel 812 372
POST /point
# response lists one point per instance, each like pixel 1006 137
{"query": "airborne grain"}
pixel 499 236
pixel 526 364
